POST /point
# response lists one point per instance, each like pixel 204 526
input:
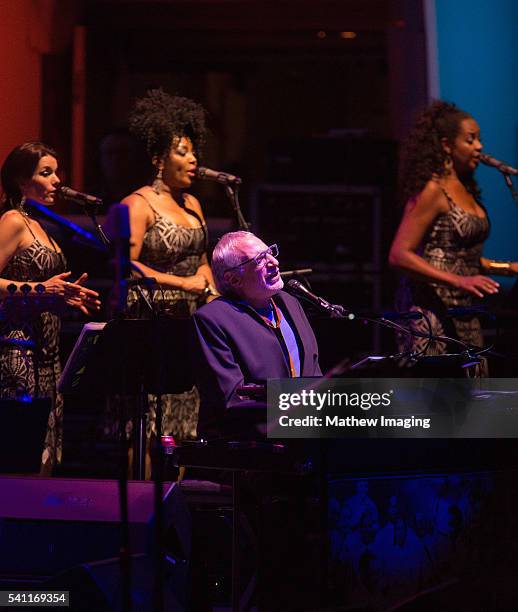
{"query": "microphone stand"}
pixel 509 183
pixel 98 228
pixel 91 211
pixel 506 172
pixel 232 194
pixel 470 356
pixel 117 303
pixel 123 267
pixel 89 239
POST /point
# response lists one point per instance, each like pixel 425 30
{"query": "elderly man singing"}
pixel 253 332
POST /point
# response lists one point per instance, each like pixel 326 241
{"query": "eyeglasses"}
pixel 260 258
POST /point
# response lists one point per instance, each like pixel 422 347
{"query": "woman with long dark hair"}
pixel 440 238
pixel 29 349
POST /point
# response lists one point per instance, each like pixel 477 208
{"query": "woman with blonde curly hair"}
pixel 440 238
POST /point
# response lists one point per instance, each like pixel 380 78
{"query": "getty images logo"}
pixel 321 400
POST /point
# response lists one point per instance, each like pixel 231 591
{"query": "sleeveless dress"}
pixel 34 372
pixel 171 248
pixel 453 244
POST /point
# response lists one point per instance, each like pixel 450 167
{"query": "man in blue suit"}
pixel 252 332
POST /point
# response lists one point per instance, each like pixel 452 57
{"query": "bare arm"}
pixel 419 215
pixel 12 232
pixel 13 236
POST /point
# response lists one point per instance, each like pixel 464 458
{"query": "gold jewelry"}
pixel 500 267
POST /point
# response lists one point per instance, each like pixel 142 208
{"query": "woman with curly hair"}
pixel 30 260
pixel 168 230
pixel 440 238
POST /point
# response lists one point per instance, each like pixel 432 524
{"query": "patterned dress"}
pixel 172 249
pixel 34 371
pixel 454 244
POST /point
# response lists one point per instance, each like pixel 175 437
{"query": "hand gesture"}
pixel 73 293
pixel 477 285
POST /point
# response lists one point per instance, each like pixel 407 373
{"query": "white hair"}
pixel 227 254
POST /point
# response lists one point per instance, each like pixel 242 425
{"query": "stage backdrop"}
pixel 473 61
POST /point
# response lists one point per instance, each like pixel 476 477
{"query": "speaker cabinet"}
pixel 50 524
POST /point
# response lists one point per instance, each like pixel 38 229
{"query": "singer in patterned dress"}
pixel 168 231
pixel 440 238
pixel 29 338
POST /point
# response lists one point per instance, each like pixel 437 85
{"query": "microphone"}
pixel 82 198
pixel 206 174
pixel 496 163
pixel 334 310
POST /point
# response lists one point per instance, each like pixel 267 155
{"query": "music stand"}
pixel 139 357
pixel 132 357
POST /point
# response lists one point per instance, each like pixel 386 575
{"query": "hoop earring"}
pixel 158 182
pixel 448 162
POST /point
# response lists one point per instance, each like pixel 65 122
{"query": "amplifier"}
pixel 49 524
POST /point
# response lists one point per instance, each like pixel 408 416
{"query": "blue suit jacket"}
pixel 236 346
